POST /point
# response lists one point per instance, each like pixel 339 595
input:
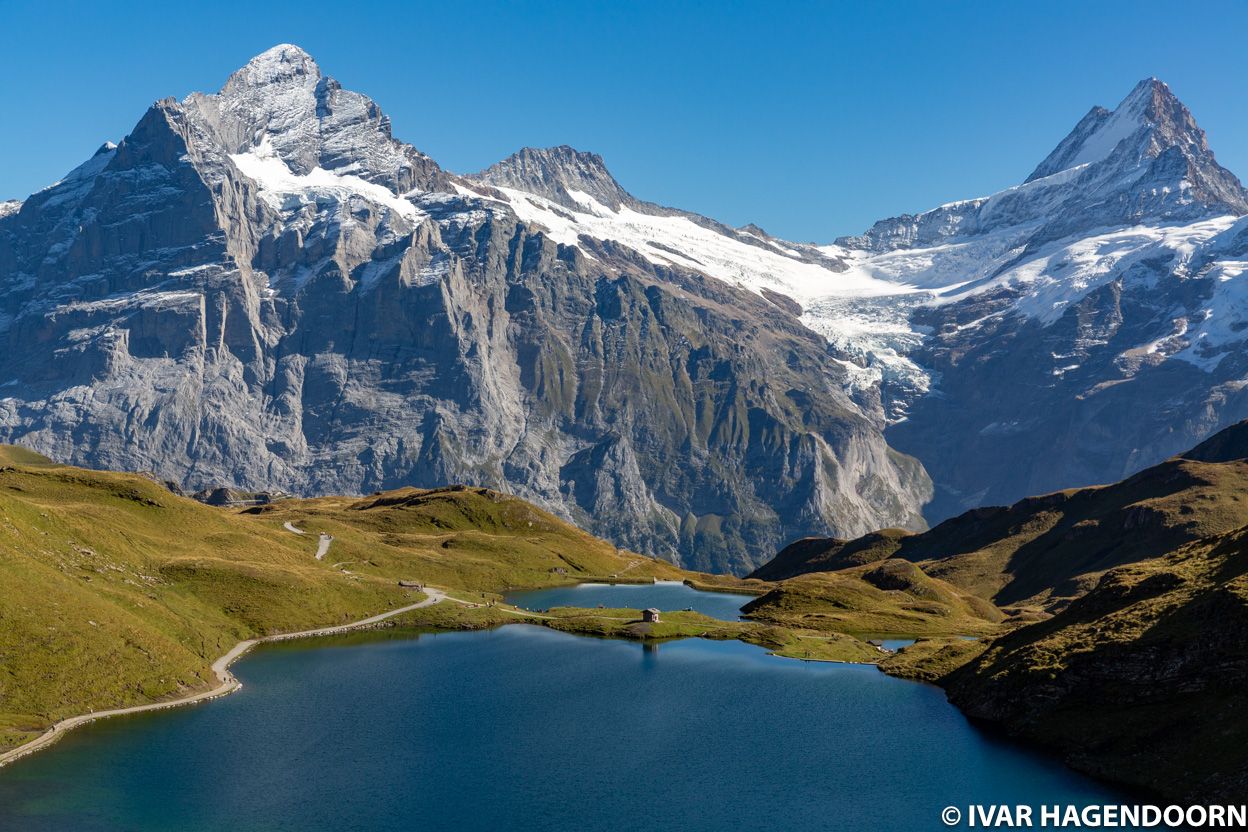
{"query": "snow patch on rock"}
pixel 284 190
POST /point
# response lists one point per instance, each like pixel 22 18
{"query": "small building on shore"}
pixel 650 616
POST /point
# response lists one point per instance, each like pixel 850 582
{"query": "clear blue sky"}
pixel 811 120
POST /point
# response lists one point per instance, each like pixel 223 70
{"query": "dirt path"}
pixel 322 546
pixel 220 667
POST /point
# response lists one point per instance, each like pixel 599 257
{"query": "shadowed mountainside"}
pixel 1141 681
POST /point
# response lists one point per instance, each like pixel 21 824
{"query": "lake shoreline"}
pixel 613 624
pixel 633 630
pixel 434 715
pixel 228 682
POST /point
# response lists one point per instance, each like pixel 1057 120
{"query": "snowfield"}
pixel 285 190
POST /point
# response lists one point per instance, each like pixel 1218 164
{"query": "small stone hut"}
pixel 650 616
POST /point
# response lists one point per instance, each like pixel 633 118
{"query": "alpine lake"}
pixel 523 727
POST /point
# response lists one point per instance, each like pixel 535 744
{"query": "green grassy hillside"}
pixel 17 455
pixel 829 554
pixel 892 596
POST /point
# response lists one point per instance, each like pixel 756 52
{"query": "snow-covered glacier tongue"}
pixel 261 287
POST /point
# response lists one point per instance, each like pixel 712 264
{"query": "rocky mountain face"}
pixel 262 289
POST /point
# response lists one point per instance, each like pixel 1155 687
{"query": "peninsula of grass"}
pixel 626 623
pixel 893 597
pixel 932 659
pixel 705 582
pixel 629 624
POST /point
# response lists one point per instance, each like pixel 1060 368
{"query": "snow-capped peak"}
pixel 556 173
pixel 1145 161
pixel 282 63
pixel 1147 122
pixel 309 122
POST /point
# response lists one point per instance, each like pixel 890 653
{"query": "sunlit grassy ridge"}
pixel 469 538
pixel 893 596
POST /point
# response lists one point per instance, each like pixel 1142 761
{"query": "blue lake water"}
pixel 668 595
pixel 526 728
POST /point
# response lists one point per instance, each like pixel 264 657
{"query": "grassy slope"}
pixel 932 659
pixel 1126 649
pixel 115 592
pixel 829 554
pixel 893 596
pixel 469 538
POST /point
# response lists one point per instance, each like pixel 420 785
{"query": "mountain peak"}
pixel 1149 121
pixel 1145 160
pixel 282 63
pixel 282 102
pixel 556 172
